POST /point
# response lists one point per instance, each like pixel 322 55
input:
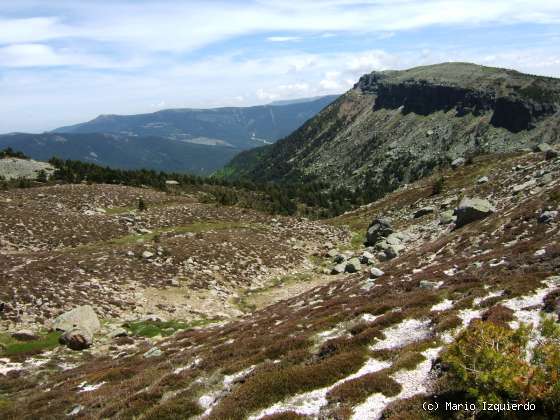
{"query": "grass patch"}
pixel 163 328
pixel 11 347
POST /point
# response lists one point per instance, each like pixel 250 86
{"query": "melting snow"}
pixel 310 403
pixel 403 333
pixel 84 387
pixel 413 382
pixel 478 300
pixel 442 306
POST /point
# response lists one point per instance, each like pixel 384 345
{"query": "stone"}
pixel 367 257
pixel 471 210
pixel 332 253
pixel 118 332
pixel 25 335
pixel 447 217
pixel 82 317
pixel 353 265
pixel 147 255
pixel 378 229
pixel 423 212
pixel 171 182
pixel 339 268
pixel 548 216
pixel 482 180
pixel 542 147
pixel 339 258
pixel 520 187
pixel 153 352
pixel 375 272
pixel 77 339
pixel 551 154
pixel 457 162
pixel 425 284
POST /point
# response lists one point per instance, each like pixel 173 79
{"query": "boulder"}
pixel 339 268
pixel 447 217
pixel 82 317
pixel 548 216
pixel 332 253
pixel 457 162
pixel 147 255
pixel 353 266
pixel 77 339
pixel 520 187
pixel 25 335
pixel 375 273
pixel 551 154
pixel 542 147
pixel 153 352
pixel 118 332
pixel 425 284
pixel 423 212
pixel 367 258
pixel 472 209
pixel 378 229
pixel 339 258
pixel 482 180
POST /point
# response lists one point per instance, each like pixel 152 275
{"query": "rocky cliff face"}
pixel 396 126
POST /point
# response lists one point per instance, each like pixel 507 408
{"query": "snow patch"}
pixel 442 306
pixel 406 332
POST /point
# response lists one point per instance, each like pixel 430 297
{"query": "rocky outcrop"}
pixel 378 229
pixel 82 317
pixel 471 210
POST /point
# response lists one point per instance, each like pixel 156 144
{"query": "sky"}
pixel 66 61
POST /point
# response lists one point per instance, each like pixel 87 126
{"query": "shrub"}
pixel 488 363
pixel 437 186
pixel 359 389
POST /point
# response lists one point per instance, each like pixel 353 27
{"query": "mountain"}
pixel 121 151
pixel 242 128
pixel 396 126
pixel 185 309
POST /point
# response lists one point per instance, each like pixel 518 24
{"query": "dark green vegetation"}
pixel 10 153
pixel 10 347
pixel 395 127
pixel 239 128
pixel 162 328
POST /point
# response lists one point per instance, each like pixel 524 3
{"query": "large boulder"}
pixel 82 317
pixel 353 265
pixel 424 211
pixel 77 339
pixel 378 229
pixel 471 210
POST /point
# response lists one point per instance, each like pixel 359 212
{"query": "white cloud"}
pixel 283 38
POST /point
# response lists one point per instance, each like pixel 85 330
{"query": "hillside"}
pixel 241 128
pixel 396 126
pixel 121 151
pixel 216 312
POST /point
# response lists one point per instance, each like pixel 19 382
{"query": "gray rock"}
pixel 375 272
pixel 147 255
pixel 551 154
pixel 482 180
pixel 472 209
pixel 378 229
pixel 353 266
pixel 339 258
pixel 367 258
pixel 542 147
pixel 548 216
pixel 394 239
pixel 25 335
pixel 425 284
pixel 77 339
pixel 339 268
pixel 520 187
pixel 118 332
pixel 457 162
pixel 332 253
pixel 82 317
pixel 546 179
pixel 447 217
pixel 153 352
pixel 423 212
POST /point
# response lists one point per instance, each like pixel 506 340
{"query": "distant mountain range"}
pixel 242 128
pixel 198 141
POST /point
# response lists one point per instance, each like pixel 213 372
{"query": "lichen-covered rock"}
pixel 378 229
pixel 82 317
pixel 472 209
pixel 353 265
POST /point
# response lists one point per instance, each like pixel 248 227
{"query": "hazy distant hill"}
pixel 243 128
pixel 118 151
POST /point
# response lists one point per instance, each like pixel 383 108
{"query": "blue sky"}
pixel 64 62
